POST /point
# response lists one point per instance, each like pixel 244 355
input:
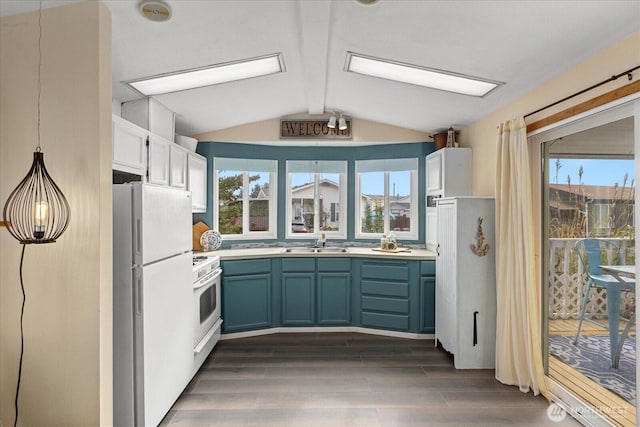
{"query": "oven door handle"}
pixel 207 279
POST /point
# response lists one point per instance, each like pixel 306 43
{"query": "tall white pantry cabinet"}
pixel 448 175
pixel 466 280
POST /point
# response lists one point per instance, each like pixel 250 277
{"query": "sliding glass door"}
pixel 588 173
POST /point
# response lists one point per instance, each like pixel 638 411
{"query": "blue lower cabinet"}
pixel 388 291
pixel 298 299
pixel 334 304
pixel 428 305
pixel 246 302
pixel 246 295
pixel 428 297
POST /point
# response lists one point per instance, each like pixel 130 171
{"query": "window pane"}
pixel 590 197
pixel 329 200
pixel 372 202
pixel 302 198
pixel 259 201
pixel 316 194
pixel 230 202
pixel 400 201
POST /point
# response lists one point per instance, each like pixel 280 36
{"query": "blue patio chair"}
pixel 590 254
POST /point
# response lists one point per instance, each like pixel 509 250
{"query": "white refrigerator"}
pixel 152 301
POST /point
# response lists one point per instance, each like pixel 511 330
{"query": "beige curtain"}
pixel 518 335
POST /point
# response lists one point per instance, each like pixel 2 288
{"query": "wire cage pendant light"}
pixel 36 210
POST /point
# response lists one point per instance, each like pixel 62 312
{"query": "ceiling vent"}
pixel 156 11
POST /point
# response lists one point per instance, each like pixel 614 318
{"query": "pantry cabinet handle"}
pixel 438 250
pixel 475 328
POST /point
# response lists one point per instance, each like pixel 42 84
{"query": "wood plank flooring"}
pixel 347 379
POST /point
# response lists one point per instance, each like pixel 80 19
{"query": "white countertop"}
pixel 354 252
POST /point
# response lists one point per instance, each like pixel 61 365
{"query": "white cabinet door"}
pixel 434 173
pixel 432 228
pixel 129 147
pixel 446 280
pixel 158 172
pixel 197 166
pixel 178 166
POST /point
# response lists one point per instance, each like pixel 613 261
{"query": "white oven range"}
pixel 206 298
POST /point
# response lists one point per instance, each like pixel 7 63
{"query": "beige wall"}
pixel 363 132
pixel 482 135
pixel 66 378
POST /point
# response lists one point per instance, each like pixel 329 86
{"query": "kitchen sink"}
pixel 301 250
pixel 332 250
pixel 306 250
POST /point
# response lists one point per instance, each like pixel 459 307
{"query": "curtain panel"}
pixel 518 335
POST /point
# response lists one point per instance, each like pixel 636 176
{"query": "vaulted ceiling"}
pixel 521 43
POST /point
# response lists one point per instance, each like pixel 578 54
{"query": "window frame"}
pixel 246 234
pixel 414 229
pixel 342 201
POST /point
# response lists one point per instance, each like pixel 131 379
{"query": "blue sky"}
pixel 595 171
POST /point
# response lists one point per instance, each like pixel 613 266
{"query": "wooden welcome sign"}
pixel 312 129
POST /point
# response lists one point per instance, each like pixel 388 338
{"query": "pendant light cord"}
pixel 39 67
pixel 24 299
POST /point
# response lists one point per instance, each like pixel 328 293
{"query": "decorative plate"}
pixel 211 240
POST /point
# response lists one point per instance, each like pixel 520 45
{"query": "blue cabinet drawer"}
pixel 390 271
pixel 392 289
pixel 427 268
pixel 334 264
pixel 299 264
pixel 394 305
pixel 242 267
pixel 385 321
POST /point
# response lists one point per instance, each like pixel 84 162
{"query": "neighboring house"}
pixel 591 210
pixel 302 209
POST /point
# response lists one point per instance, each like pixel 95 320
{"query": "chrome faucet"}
pixel 321 242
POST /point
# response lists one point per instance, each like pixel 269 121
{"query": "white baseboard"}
pixel 370 331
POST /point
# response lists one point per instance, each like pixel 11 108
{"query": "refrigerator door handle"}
pixel 138 237
pixel 138 295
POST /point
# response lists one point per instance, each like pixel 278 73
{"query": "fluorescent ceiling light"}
pixel 417 75
pixel 211 75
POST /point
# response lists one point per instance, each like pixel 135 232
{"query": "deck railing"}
pixel 567 280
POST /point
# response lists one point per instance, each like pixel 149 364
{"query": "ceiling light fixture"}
pixel 209 75
pixel 417 75
pixel 332 121
pixel 156 11
pixel 342 123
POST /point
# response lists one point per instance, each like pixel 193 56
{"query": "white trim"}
pixel 585 114
pixel 382 332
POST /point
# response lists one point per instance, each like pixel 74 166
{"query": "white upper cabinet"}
pixel 449 172
pixel 178 166
pixel 159 152
pixel 197 183
pixel 129 147
pixel 151 115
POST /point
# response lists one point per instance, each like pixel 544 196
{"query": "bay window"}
pixel 245 197
pixel 387 198
pixel 316 198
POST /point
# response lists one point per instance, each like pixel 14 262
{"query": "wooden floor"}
pixel 621 412
pixel 347 379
